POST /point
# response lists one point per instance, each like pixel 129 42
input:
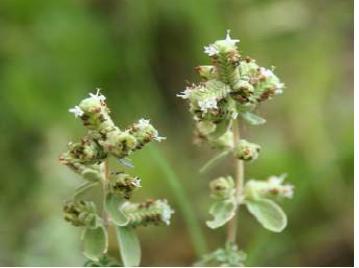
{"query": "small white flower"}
pixel 185 94
pixel 288 191
pixel 266 72
pixel 211 50
pixel 143 123
pixel 136 183
pixel 98 96
pixel 229 40
pixel 76 111
pixel 210 103
pixel 166 211
pixel 159 139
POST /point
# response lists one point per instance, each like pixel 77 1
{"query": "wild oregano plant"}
pixel 228 95
pixel 90 159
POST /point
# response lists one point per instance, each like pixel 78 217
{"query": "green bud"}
pixel 222 188
pixel 81 213
pixel 207 72
pixel 87 151
pixel 206 127
pixel 118 143
pixel 144 133
pixel 94 113
pixel 246 150
pixel 123 184
pixel 151 212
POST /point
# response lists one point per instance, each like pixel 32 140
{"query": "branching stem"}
pixel 239 175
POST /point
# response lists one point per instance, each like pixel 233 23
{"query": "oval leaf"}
pixel 268 213
pixel 112 206
pixel 129 245
pixel 94 242
pixel 253 119
pixel 222 211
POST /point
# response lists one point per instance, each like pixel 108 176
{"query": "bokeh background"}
pixel 52 53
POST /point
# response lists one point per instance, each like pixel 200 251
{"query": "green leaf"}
pixel 268 213
pixel 222 211
pixel 91 175
pixel 112 206
pixel 253 119
pixel 129 245
pixel 94 242
pixel 83 188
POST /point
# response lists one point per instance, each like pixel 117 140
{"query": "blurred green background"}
pixel 52 53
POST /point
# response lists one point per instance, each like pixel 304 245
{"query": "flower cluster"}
pixel 123 184
pixel 246 150
pixel 231 86
pixel 271 188
pixel 155 212
pixel 222 188
pixel 229 256
pixel 81 213
pixel 89 158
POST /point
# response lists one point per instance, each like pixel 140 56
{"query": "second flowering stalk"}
pixel 90 159
pixel 230 91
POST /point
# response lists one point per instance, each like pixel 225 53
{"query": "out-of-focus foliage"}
pixel 140 52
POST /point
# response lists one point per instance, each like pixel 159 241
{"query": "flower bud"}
pixel 242 92
pixel 94 113
pixel 87 151
pixel 123 184
pixel 81 213
pixel 207 72
pixel 150 212
pixel 224 46
pixel 222 188
pixel 206 127
pixel 118 143
pixel 144 132
pixel 246 150
pixel 273 187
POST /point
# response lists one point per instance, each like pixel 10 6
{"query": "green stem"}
pixel 182 201
pixel 239 176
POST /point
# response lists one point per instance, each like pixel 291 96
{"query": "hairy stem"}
pixel 105 178
pixel 239 176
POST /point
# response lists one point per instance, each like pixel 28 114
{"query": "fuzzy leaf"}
pixel 253 119
pixel 222 211
pixel 112 206
pixel 129 245
pixel 94 242
pixel 83 188
pixel 268 213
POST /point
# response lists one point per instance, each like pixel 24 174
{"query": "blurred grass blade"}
pixel 182 201
pixel 129 245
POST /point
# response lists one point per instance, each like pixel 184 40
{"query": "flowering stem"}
pixel 239 173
